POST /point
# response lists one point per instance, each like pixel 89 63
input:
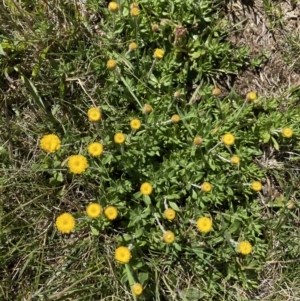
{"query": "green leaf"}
pixel 94 231
pixel 174 206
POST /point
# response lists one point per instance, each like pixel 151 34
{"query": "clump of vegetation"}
pixel 126 171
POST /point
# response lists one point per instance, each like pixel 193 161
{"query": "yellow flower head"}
pixel 251 96
pixel 93 210
pixel 65 223
pixel 168 237
pixel 133 46
pixel 206 187
pixel 122 255
pixel 77 164
pixel 95 149
pixel 111 65
pixel 155 27
pixel 119 138
pixel 147 109
pixel 50 143
pixel 113 7
pixel 111 212
pixel 146 188
pixel 175 118
pixel 204 224
pixel 177 94
pixel 94 114
pixel 287 132
pixel 235 160
pixel 228 139
pixel 135 124
pixel 159 54
pixel 169 214
pixel 245 247
pixel 137 289
pixel 256 186
pixel 197 140
pixel 135 11
pixel 216 92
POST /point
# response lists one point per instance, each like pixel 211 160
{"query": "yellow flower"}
pixel 158 54
pixel 155 27
pixel 206 187
pixel 137 289
pixel 133 46
pixel 287 132
pixel 93 210
pixel 65 223
pixel 235 160
pixel 256 186
pixel 177 94
pixel 251 96
pixel 135 124
pixel 78 164
pixel 146 188
pixel 245 247
pixel 216 92
pixel 111 64
pixel 228 139
pixel 122 255
pixel 94 114
pixel 204 224
pixel 50 143
pixel 111 212
pixel 147 109
pixel 175 118
pixel 170 214
pixel 113 7
pixel 135 11
pixel 197 140
pixel 119 138
pixel 95 149
pixel 168 237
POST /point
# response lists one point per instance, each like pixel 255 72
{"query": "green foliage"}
pixel 55 66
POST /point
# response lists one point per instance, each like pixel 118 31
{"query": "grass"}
pixel 53 60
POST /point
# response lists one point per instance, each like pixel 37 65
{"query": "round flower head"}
pixel 197 140
pixel 135 11
pixel 216 92
pixel 95 149
pixel 135 124
pixel 206 187
pixel 287 132
pixel 111 65
pixel 168 237
pixel 158 54
pixel 175 118
pixel 113 7
pixel 122 255
pixel 111 212
pixel 119 138
pixel 245 247
pixel 177 94
pixel 228 139
pixel 146 188
pixel 204 224
pixel 137 289
pixel 50 143
pixel 256 186
pixel 133 46
pixel 251 96
pixel 235 160
pixel 93 210
pixel 147 109
pixel 94 114
pixel 77 164
pixel 65 223
pixel 155 27
pixel 169 214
